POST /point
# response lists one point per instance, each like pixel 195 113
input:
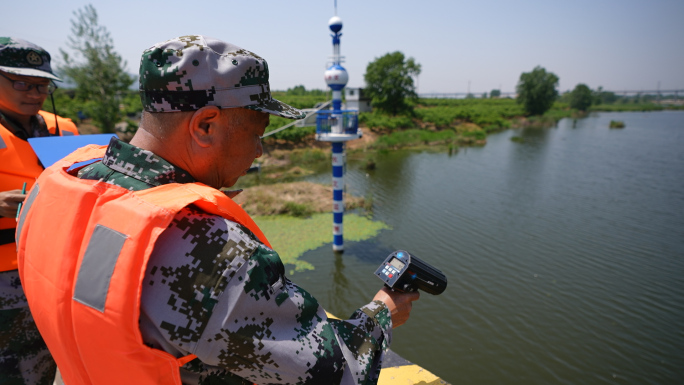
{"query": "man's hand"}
pixel 398 303
pixel 9 202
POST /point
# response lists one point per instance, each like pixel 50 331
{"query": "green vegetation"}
pixel 413 137
pixel 430 115
pixel 97 70
pixel 308 156
pixel 378 120
pixel 606 101
pixel 298 210
pixel 489 114
pixel 299 97
pixel 581 97
pixel 442 121
pixel 292 134
pixel 604 97
pixel 70 106
pixel 65 104
pixel 617 124
pixel 389 83
pixel 537 90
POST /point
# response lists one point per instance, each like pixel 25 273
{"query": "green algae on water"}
pixel 291 237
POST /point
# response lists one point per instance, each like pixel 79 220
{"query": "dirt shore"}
pixel 296 198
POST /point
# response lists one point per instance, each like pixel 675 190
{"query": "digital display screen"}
pixel 397 263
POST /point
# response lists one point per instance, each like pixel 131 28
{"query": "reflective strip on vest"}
pixel 66 133
pixel 25 209
pixel 97 267
pixel 2 143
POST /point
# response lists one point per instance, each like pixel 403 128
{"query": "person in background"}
pixel 26 80
pixel 156 276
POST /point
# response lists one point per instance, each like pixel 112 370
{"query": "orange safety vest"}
pixel 19 165
pixel 83 279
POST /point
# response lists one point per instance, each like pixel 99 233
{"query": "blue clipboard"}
pixel 50 149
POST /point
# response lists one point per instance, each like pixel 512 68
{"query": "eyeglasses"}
pixel 20 85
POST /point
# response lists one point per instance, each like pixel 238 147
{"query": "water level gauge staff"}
pixel 337 126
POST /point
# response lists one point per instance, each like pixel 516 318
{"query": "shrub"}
pixel 617 124
pixel 297 209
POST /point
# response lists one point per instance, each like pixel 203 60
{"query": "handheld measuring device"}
pixel 402 271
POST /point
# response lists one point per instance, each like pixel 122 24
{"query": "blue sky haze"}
pixel 462 46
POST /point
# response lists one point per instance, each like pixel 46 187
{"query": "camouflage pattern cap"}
pixel 190 72
pixel 21 57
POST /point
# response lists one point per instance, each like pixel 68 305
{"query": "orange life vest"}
pixel 19 165
pixel 83 278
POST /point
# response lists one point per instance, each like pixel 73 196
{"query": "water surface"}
pixel 564 253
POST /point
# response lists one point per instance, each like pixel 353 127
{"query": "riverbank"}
pixel 437 125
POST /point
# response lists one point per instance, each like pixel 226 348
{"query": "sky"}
pixel 462 46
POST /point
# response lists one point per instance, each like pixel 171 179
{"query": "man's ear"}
pixel 204 124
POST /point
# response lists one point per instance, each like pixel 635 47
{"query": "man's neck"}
pixel 22 122
pixel 170 148
pixel 32 127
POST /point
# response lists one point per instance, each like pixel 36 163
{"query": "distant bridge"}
pixel 460 95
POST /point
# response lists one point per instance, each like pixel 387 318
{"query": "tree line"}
pixel 389 83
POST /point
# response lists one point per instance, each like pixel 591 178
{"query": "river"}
pixel 564 253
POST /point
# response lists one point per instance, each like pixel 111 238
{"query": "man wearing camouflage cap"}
pixel 163 278
pixel 26 80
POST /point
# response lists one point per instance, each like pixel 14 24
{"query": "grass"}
pixel 376 120
pixel 617 124
pixel 298 199
pixel 308 156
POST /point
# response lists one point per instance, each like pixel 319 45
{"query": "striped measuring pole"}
pixel 338 197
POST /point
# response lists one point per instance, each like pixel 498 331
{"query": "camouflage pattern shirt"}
pixel 214 290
